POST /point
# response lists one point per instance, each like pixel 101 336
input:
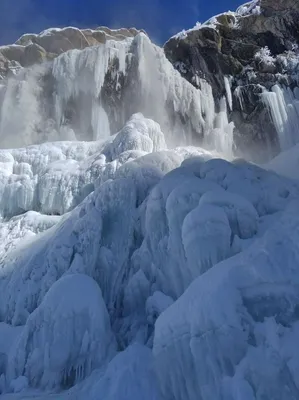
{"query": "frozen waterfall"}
pixel 90 94
pixel 283 104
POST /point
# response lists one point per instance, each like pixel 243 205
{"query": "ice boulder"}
pixel 139 133
pixel 65 338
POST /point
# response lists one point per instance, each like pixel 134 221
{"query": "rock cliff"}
pixel 257 47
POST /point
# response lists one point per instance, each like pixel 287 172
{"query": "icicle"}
pixel 239 96
pixel 83 72
pixel 229 96
pixel 284 109
pixel 221 137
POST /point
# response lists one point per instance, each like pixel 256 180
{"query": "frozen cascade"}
pixel 229 96
pixel 82 73
pixel 68 99
pixel 283 104
pixel 221 137
pixel 21 116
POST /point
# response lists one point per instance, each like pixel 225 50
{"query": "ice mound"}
pixel 65 338
pixel 202 213
pixel 234 323
pixel 53 178
pixel 96 237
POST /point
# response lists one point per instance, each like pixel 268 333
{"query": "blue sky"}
pixel 160 18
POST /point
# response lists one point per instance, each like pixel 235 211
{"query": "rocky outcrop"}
pixel 229 45
pixel 33 49
pixel 270 6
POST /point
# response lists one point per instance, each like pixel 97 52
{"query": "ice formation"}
pixel 65 338
pixel 283 104
pixel 140 265
pixel 241 349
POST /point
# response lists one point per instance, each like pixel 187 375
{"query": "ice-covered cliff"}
pixel 89 94
pixel 254 53
pixel 139 257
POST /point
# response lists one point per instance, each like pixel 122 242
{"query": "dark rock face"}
pixel 228 46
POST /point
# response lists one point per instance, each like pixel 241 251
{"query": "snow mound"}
pixel 65 338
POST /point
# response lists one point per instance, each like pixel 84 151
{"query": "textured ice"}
pixel 283 104
pixel 231 342
pixel 65 338
pixel 38 102
pixel 53 178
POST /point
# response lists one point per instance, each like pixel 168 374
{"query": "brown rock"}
pixel 34 54
pixel 60 41
pixel 13 52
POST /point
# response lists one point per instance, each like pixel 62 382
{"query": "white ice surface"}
pixel 65 338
